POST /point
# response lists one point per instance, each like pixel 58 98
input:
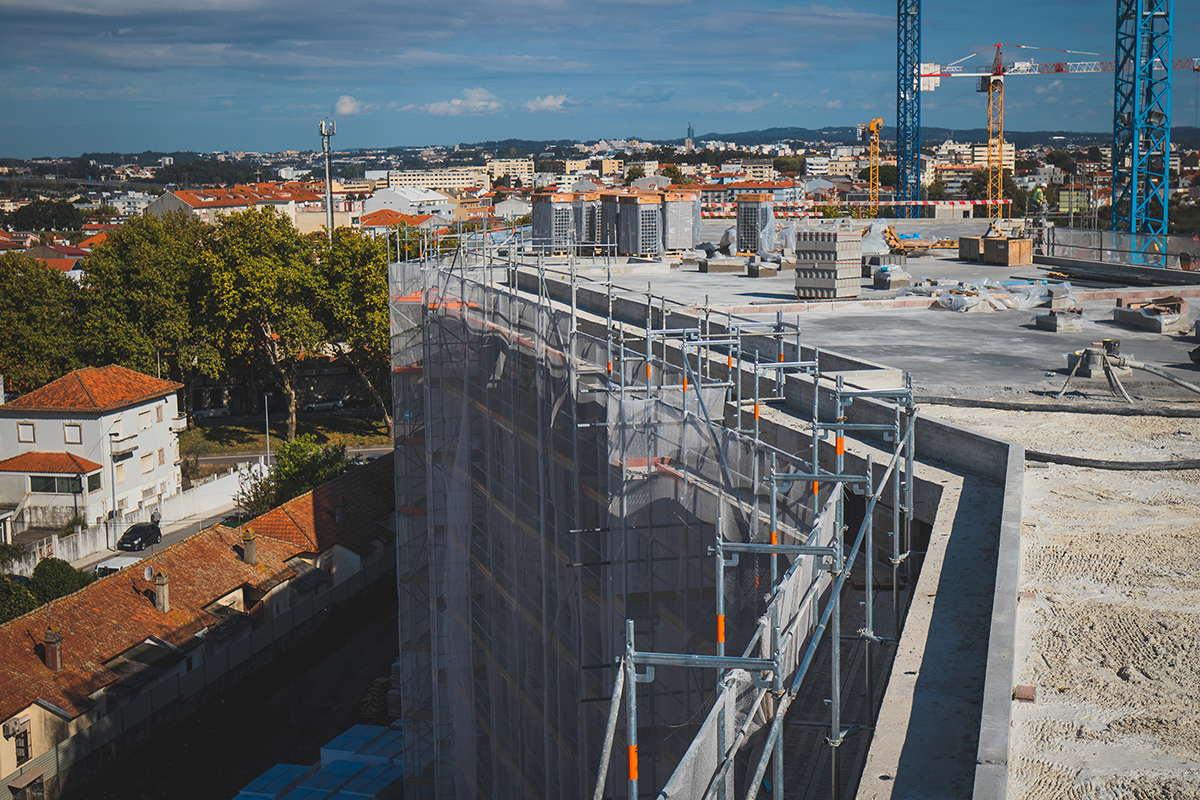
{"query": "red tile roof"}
pixel 112 615
pixel 388 216
pixel 49 463
pixel 94 241
pixel 241 196
pixel 108 617
pixel 311 521
pixel 93 390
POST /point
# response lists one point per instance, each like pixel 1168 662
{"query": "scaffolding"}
pixel 590 516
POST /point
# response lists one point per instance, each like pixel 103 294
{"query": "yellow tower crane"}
pixel 870 133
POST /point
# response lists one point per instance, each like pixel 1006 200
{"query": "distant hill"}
pixel 1184 136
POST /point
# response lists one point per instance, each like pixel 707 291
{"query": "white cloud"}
pixel 348 106
pixel 833 104
pixel 473 101
pixel 551 102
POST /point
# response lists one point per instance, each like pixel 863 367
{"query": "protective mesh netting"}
pixel 546 497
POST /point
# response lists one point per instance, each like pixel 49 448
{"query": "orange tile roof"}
pixel 310 522
pixel 389 216
pixel 108 617
pixel 52 463
pixel 60 264
pixel 93 390
pixel 94 241
pixel 239 196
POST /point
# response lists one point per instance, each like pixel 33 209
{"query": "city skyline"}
pixel 210 75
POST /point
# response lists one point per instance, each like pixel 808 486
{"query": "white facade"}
pixel 136 448
pixel 411 200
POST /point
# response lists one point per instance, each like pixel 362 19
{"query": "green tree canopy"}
pixel 887 174
pixel 267 292
pixel 15 600
pixel 39 317
pixel 789 164
pixel 633 173
pixel 46 215
pixel 300 466
pixel 354 307
pixel 149 300
pixel 53 577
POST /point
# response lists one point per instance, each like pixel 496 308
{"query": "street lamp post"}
pixel 112 464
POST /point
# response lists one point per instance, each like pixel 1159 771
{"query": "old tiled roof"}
pixel 93 390
pixel 49 463
pixel 108 617
pixel 388 216
pixel 239 196
pixel 311 523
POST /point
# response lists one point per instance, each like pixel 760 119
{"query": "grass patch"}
pixel 217 437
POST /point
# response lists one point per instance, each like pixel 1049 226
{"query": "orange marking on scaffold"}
pixel 721 628
pixel 756 410
pixel 685 381
pixel 840 444
pixel 774 537
pixel 731 361
pixel 780 356
pixel 633 775
pixel 609 363
pixel 647 372
pixel 816 488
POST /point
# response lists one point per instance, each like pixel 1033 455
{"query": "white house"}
pixel 94 438
pixel 412 200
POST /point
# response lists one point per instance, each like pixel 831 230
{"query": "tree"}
pixel 46 215
pixel 887 174
pixel 676 175
pixel 53 577
pixel 39 314
pixel 15 599
pixel 300 466
pixel 148 299
pixel 936 191
pixel 1061 159
pixel 354 307
pixel 789 164
pixel 634 173
pixel 105 211
pixel 266 290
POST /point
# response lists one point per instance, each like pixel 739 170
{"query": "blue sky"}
pixel 132 75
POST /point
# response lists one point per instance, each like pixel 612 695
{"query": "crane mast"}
pixel 908 104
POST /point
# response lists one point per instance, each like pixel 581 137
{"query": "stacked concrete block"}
pixel 828 264
pixel 639 225
pixel 554 222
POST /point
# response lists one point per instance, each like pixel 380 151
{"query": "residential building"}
pixel 215 605
pixel 91 439
pixel 292 200
pixel 516 168
pixel 411 200
pixel 451 178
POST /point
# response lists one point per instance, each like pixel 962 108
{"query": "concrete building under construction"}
pixel 654 541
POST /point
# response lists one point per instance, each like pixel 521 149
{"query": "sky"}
pixel 258 75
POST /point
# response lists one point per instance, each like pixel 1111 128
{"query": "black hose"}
pixel 1115 410
pixel 1098 463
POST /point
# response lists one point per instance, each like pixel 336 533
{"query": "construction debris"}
pixel 992 295
pixel 1060 320
pixel 1161 315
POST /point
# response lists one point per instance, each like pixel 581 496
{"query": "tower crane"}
pixel 870 133
pixel 990 79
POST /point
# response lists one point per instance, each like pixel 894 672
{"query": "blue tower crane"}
pixel 908 105
pixel 1142 122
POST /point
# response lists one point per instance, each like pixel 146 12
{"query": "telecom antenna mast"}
pixel 327 131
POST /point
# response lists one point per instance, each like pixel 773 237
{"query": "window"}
pixel 162 456
pixel 25 432
pixel 120 474
pixel 55 484
pixel 144 422
pixel 147 463
pixel 22 742
pixel 158 412
pixel 93 482
pixel 72 434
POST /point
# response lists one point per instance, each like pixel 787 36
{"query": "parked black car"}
pixel 140 536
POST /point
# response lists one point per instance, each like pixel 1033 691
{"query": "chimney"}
pixel 249 551
pixel 339 509
pixel 53 640
pixel 162 593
